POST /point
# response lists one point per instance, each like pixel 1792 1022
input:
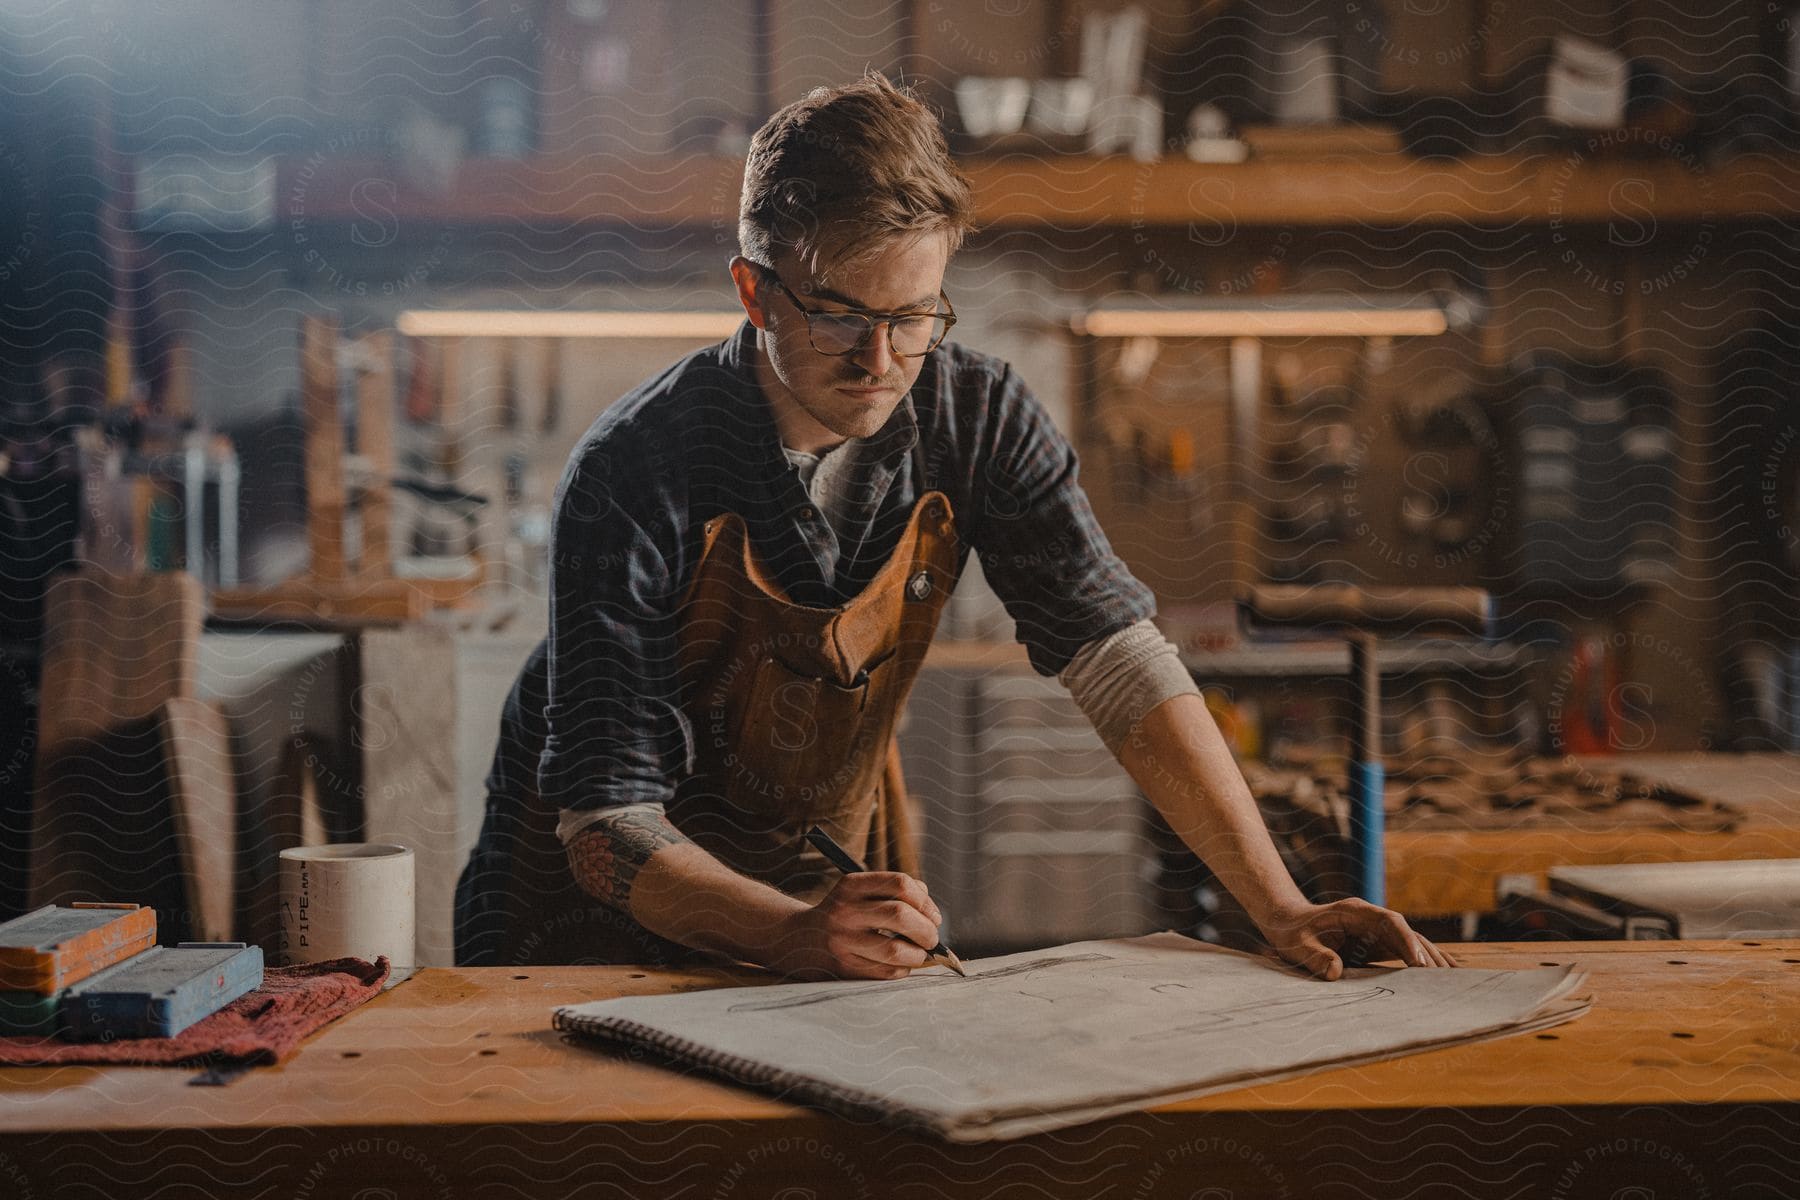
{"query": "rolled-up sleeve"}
pixel 614 734
pixel 1040 546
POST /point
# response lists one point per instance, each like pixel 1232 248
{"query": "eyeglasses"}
pixel 910 335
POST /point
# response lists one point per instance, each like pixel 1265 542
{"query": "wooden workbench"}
pixel 1443 871
pixel 1684 1079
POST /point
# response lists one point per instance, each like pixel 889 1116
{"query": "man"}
pixel 750 554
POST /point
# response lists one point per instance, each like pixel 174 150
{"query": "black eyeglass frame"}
pixel 869 319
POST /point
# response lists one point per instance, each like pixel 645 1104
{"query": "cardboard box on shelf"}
pixel 1562 94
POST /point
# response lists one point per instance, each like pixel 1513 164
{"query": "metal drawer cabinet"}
pixel 1034 834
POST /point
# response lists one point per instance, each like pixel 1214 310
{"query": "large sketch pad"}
pixel 1054 1037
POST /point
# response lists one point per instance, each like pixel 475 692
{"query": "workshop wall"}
pixel 1665 294
pixel 248 167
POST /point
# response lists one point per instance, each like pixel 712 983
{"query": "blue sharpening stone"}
pixel 161 992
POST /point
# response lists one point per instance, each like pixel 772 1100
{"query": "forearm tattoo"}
pixel 607 855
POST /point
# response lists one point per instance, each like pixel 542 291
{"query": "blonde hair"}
pixel 856 165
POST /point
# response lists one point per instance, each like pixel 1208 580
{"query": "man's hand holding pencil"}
pixel 872 925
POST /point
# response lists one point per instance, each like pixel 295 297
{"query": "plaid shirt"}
pixel 700 440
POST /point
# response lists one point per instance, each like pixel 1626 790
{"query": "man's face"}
pixel 820 399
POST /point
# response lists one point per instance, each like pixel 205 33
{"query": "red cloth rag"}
pixel 259 1028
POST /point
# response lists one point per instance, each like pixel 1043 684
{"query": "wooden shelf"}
pixel 1084 192
pixel 1381 190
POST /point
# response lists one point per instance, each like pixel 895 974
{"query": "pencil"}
pixel 840 858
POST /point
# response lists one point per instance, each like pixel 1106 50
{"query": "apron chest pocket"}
pixel 807 741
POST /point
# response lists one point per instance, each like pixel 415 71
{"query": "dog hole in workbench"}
pixel 1546 1037
pixel 1791 960
pixel 351 1054
pixel 639 975
pixel 521 977
pixel 489 1053
pixel 1752 943
pixel 1549 964
pixel 1683 1036
pixel 1678 962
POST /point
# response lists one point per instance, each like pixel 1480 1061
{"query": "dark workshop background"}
pixel 1599 196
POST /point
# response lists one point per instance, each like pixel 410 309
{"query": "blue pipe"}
pixel 1367 823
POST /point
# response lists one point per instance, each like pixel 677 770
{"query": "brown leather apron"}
pixel 791 711
pixel 793 708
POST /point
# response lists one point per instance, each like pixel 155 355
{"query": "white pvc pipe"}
pixel 353 900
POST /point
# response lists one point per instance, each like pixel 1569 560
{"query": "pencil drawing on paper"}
pixel 860 991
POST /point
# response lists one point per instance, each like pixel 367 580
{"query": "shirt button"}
pixel 809 514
